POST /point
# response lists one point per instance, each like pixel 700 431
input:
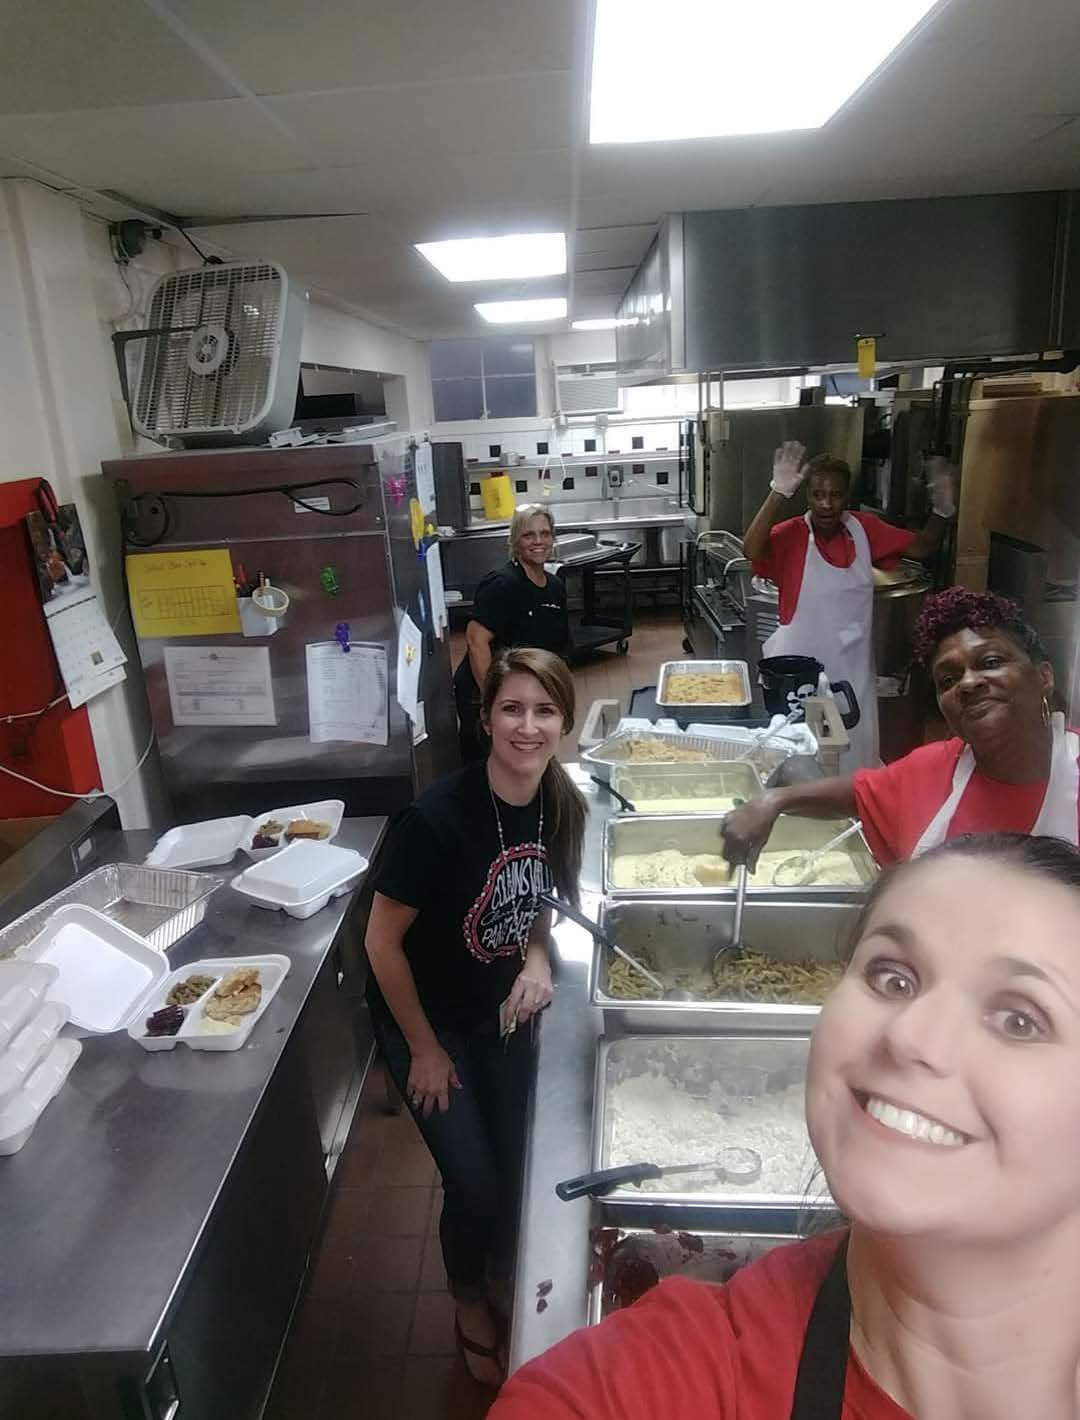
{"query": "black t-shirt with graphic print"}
pixel 475 905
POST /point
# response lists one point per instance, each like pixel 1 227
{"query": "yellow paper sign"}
pixel 866 353
pixel 416 521
pixel 183 593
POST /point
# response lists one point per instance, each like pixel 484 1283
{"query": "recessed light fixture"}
pixel 515 312
pixel 602 323
pixel 745 66
pixel 498 258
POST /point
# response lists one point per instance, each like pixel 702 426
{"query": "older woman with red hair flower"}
pixel 1009 766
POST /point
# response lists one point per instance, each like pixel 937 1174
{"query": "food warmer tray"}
pixel 731 1066
pixel 161 905
pixel 687 934
pixel 729 743
pixel 644 782
pixel 700 833
pixel 624 1258
pixel 670 668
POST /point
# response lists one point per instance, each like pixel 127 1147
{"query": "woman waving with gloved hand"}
pixel 823 565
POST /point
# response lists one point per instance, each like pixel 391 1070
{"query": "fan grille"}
pixel 243 300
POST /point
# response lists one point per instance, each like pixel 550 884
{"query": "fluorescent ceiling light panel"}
pixel 602 323
pixel 520 312
pixel 498 258
pixel 718 68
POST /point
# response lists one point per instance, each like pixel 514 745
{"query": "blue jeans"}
pixel 478 1146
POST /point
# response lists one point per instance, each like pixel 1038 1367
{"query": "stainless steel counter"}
pixel 589 519
pixel 103 1212
pixel 555 1236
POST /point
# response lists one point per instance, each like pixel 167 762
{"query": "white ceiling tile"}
pixel 351 125
pixel 119 147
pixel 278 47
pixel 72 54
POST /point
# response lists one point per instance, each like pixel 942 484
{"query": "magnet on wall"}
pixel 329 579
pixel 341 635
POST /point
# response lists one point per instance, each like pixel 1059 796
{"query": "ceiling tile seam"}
pixel 581 49
pixel 395 164
pixel 435 82
pixel 223 70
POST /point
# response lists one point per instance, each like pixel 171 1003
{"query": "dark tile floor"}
pixel 373 1338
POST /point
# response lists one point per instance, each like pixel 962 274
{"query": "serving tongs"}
pixel 734 1165
pixel 598 933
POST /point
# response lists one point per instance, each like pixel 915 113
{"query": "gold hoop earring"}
pixel 1045 710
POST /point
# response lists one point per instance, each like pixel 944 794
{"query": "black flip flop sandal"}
pixel 489 1353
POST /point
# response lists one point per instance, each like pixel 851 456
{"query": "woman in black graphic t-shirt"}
pixel 459 953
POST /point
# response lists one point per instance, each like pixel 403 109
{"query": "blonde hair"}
pixel 564 806
pixel 523 515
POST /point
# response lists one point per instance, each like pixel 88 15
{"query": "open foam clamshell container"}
pixel 193 1030
pixel 327 811
pixel 302 878
pixel 200 845
pixel 103 971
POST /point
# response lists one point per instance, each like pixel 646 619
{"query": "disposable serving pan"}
pixel 161 905
pixel 686 935
pixel 670 668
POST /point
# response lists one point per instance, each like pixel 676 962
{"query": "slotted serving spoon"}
pixel 557 905
pixel 796 870
pixel 733 948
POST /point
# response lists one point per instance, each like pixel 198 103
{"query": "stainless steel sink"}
pixel 623 510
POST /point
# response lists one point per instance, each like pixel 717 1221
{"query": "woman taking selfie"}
pixel 943 1102
pixel 459 959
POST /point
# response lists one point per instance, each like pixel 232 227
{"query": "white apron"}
pixel 1058 815
pixel 833 622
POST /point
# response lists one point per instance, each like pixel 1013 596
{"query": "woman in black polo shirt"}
pixel 516 605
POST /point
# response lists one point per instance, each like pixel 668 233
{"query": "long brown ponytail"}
pixel 564 806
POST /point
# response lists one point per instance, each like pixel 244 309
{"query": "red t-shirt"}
pixel 789 540
pixel 897 802
pixel 690 1351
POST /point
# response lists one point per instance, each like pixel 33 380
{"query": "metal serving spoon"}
pixel 794 871
pixel 557 905
pixel 620 798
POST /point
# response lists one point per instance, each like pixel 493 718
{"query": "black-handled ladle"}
pixel 621 799
pixel 594 928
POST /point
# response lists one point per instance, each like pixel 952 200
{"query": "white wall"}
pixel 59 420
pixel 333 337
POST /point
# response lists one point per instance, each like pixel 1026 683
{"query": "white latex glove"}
pixel 788 468
pixel 941 481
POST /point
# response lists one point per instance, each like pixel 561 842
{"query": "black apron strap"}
pixel 819 1385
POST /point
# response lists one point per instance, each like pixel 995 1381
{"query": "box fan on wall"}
pixel 220 356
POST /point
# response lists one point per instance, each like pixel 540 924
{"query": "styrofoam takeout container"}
pixel 272 969
pixel 23 985
pixel 29 1047
pixel 104 971
pixel 302 878
pixel 328 811
pixel 200 845
pixel 17 1119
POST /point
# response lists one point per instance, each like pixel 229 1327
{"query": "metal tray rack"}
pixel 686 934
pixel 161 905
pixel 700 833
